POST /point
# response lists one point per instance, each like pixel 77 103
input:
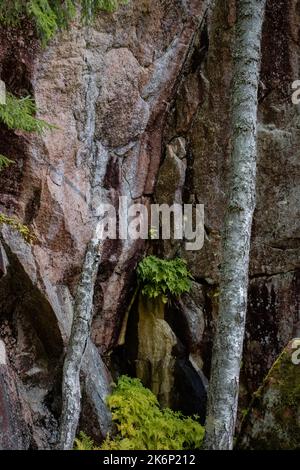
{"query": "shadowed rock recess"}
pixel 141 100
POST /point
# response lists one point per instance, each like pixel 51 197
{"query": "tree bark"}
pixel 71 393
pixel 230 330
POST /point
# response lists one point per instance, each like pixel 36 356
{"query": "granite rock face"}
pixel 141 101
pixel 274 308
pixel 107 88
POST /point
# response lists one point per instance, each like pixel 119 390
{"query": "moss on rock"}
pixel 273 419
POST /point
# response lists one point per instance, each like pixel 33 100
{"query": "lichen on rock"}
pixel 155 362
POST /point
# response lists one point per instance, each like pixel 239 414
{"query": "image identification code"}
pixel 150 459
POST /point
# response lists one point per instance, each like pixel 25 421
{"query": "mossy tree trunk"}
pixel 228 342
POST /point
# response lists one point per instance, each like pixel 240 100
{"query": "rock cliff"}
pixel 141 101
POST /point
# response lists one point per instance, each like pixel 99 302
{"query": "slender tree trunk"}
pixel 71 394
pixel 229 337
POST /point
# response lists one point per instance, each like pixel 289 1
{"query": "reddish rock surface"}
pixel 107 87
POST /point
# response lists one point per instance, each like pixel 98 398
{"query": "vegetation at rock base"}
pixel 84 442
pixel 50 15
pixel 160 277
pixel 143 425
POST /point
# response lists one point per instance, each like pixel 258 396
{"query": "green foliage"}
pixel 16 225
pixel 91 7
pixel 19 114
pixel 5 162
pixel 84 442
pixel 51 15
pixel 143 425
pixel 21 118
pixel 159 277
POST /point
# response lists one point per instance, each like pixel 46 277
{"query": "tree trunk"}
pixel 71 394
pixel 229 337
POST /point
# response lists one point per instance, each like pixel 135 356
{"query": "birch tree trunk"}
pixel 229 337
pixel 71 394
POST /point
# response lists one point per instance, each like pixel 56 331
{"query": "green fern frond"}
pixel 84 442
pixel 45 18
pixel 143 425
pixel 5 162
pixel 18 226
pixel 160 277
pixel 89 8
pixel 11 13
pixel 19 114
pixel 51 15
